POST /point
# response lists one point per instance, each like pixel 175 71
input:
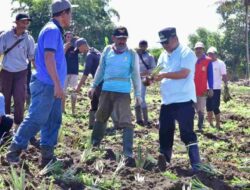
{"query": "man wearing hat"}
pixel 178 97
pixel 219 75
pixel 5 122
pixel 147 64
pixel 45 111
pixel 72 69
pixel 203 76
pixel 17 46
pixel 119 65
pixel 91 64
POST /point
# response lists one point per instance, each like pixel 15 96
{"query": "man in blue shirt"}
pixel 178 97
pixel 45 113
pixel 118 66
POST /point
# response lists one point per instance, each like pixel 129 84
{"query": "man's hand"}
pixel 159 77
pixel 138 100
pixel 210 93
pixel 58 92
pixel 91 93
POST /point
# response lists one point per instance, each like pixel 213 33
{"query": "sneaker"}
pixel 162 163
pixel 13 156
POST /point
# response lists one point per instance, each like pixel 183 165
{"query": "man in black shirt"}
pixel 72 69
pixel 92 62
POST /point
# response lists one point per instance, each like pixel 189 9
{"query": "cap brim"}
pixel 29 19
pixel 121 36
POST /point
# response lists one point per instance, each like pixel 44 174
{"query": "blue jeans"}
pixel 44 115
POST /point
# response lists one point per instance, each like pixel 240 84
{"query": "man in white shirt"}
pixel 219 75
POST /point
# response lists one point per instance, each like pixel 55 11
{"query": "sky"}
pixel 144 18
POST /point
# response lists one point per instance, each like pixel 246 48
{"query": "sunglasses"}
pixel 165 42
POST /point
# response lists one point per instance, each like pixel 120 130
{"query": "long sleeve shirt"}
pixel 117 70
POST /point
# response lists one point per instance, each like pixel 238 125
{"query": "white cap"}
pixel 212 50
pixel 199 45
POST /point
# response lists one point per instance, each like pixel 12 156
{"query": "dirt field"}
pixel 225 153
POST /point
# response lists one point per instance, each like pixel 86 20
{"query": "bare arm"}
pixel 51 67
pixel 173 75
pixel 224 78
pixel 82 82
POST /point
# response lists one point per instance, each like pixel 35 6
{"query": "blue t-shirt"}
pixel 178 90
pixel 51 39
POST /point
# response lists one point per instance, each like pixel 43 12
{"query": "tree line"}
pixel 93 19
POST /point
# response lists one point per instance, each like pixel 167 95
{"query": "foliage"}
pixel 91 19
pixel 170 175
pixel 207 38
pixel 156 52
pixel 17 180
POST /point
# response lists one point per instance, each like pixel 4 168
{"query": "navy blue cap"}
pixel 143 42
pixel 167 33
pixel 120 32
pixel 22 16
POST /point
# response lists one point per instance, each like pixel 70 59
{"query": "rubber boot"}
pixel 217 119
pixel 47 154
pixel 91 119
pixel 194 156
pixel 210 118
pixel 13 154
pixel 163 158
pixel 145 116
pixel 138 116
pixel 98 133
pixel 128 136
pixel 200 121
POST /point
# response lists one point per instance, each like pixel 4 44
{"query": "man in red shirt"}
pixel 203 77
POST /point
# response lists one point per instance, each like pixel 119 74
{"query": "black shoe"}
pixel 162 163
pixel 34 142
pixel 141 123
pixel 130 162
pixel 13 156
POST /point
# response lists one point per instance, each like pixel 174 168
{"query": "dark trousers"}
pixel 14 84
pixel 183 113
pixel 95 99
pixel 5 125
pixel 213 103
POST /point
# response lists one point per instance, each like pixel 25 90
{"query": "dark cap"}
pixel 23 16
pixel 59 6
pixel 120 32
pixel 167 33
pixel 143 42
pixel 79 42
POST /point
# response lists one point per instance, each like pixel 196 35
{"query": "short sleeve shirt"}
pixel 178 90
pixel 72 61
pixel 51 39
pixel 92 62
pixel 219 69
pixel 18 57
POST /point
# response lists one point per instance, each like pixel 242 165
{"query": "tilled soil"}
pixel 236 145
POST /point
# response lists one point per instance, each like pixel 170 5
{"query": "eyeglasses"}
pixel 165 42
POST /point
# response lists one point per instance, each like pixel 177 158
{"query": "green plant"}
pixel 52 167
pixel 208 168
pixel 170 175
pixel 196 184
pixel 17 180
